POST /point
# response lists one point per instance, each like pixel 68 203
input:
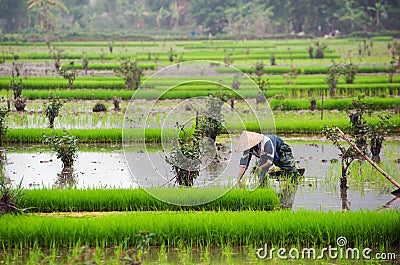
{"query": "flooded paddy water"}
pixel 107 167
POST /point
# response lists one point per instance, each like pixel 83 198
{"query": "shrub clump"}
pixel 99 107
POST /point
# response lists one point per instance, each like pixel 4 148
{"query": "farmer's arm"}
pixel 266 165
pixel 244 164
pixel 241 172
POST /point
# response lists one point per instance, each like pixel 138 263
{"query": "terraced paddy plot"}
pixel 102 167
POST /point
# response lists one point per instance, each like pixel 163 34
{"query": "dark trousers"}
pixel 285 162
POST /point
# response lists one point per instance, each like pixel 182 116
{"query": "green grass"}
pixel 163 56
pixel 180 93
pixel 315 69
pixel 53 200
pixel 363 228
pixel 30 135
pixel 183 87
pixel 82 44
pixel 105 94
pixel 85 136
pixel 334 104
pixel 111 66
pixel 289 125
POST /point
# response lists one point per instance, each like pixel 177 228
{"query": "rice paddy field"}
pixel 117 209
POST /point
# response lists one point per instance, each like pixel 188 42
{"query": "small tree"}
pixel 263 84
pixel 3 127
pixel 334 72
pixel 310 52
pixel 116 102
pixel 131 73
pixel 16 87
pixel 171 55
pixel 391 70
pixel 320 50
pixel 185 157
pixel 364 134
pixel 52 108
pixel 395 51
pixel 66 147
pixel 19 100
pixel 377 133
pixel 211 118
pixel 259 68
pixel 236 82
pixel 228 59
pixel 69 72
pixel 272 59
pixel 359 128
pixel 347 154
pixel 350 71
pixel 110 46
pixel 57 53
pixel 102 56
pixel 17 67
pixel 85 63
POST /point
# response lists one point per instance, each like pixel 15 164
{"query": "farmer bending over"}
pixel 270 149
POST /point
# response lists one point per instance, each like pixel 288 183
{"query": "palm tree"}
pixel 352 14
pixel 161 15
pixel 139 15
pixel 261 19
pixel 44 8
pixel 177 9
pixel 378 8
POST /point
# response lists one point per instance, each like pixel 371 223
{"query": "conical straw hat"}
pixel 247 140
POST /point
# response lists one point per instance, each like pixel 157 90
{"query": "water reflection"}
pixel 392 202
pixel 102 167
pixel 67 178
pixel 287 192
pixel 343 197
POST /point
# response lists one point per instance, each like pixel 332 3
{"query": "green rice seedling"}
pixel 47 200
pixel 162 254
pixel 113 66
pixel 304 69
pixel 85 135
pixel 366 228
pixel 333 104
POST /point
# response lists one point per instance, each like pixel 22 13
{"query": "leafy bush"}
pixel 52 108
pixel 185 157
pixel 349 71
pixel 69 73
pixel 211 118
pixel 99 107
pixel 3 127
pixel 66 147
pixel 131 73
pixel 116 101
pixel 20 103
pixel 10 197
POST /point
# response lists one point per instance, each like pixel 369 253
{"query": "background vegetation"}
pixel 143 19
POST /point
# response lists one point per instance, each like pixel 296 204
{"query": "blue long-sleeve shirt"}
pixel 267 149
